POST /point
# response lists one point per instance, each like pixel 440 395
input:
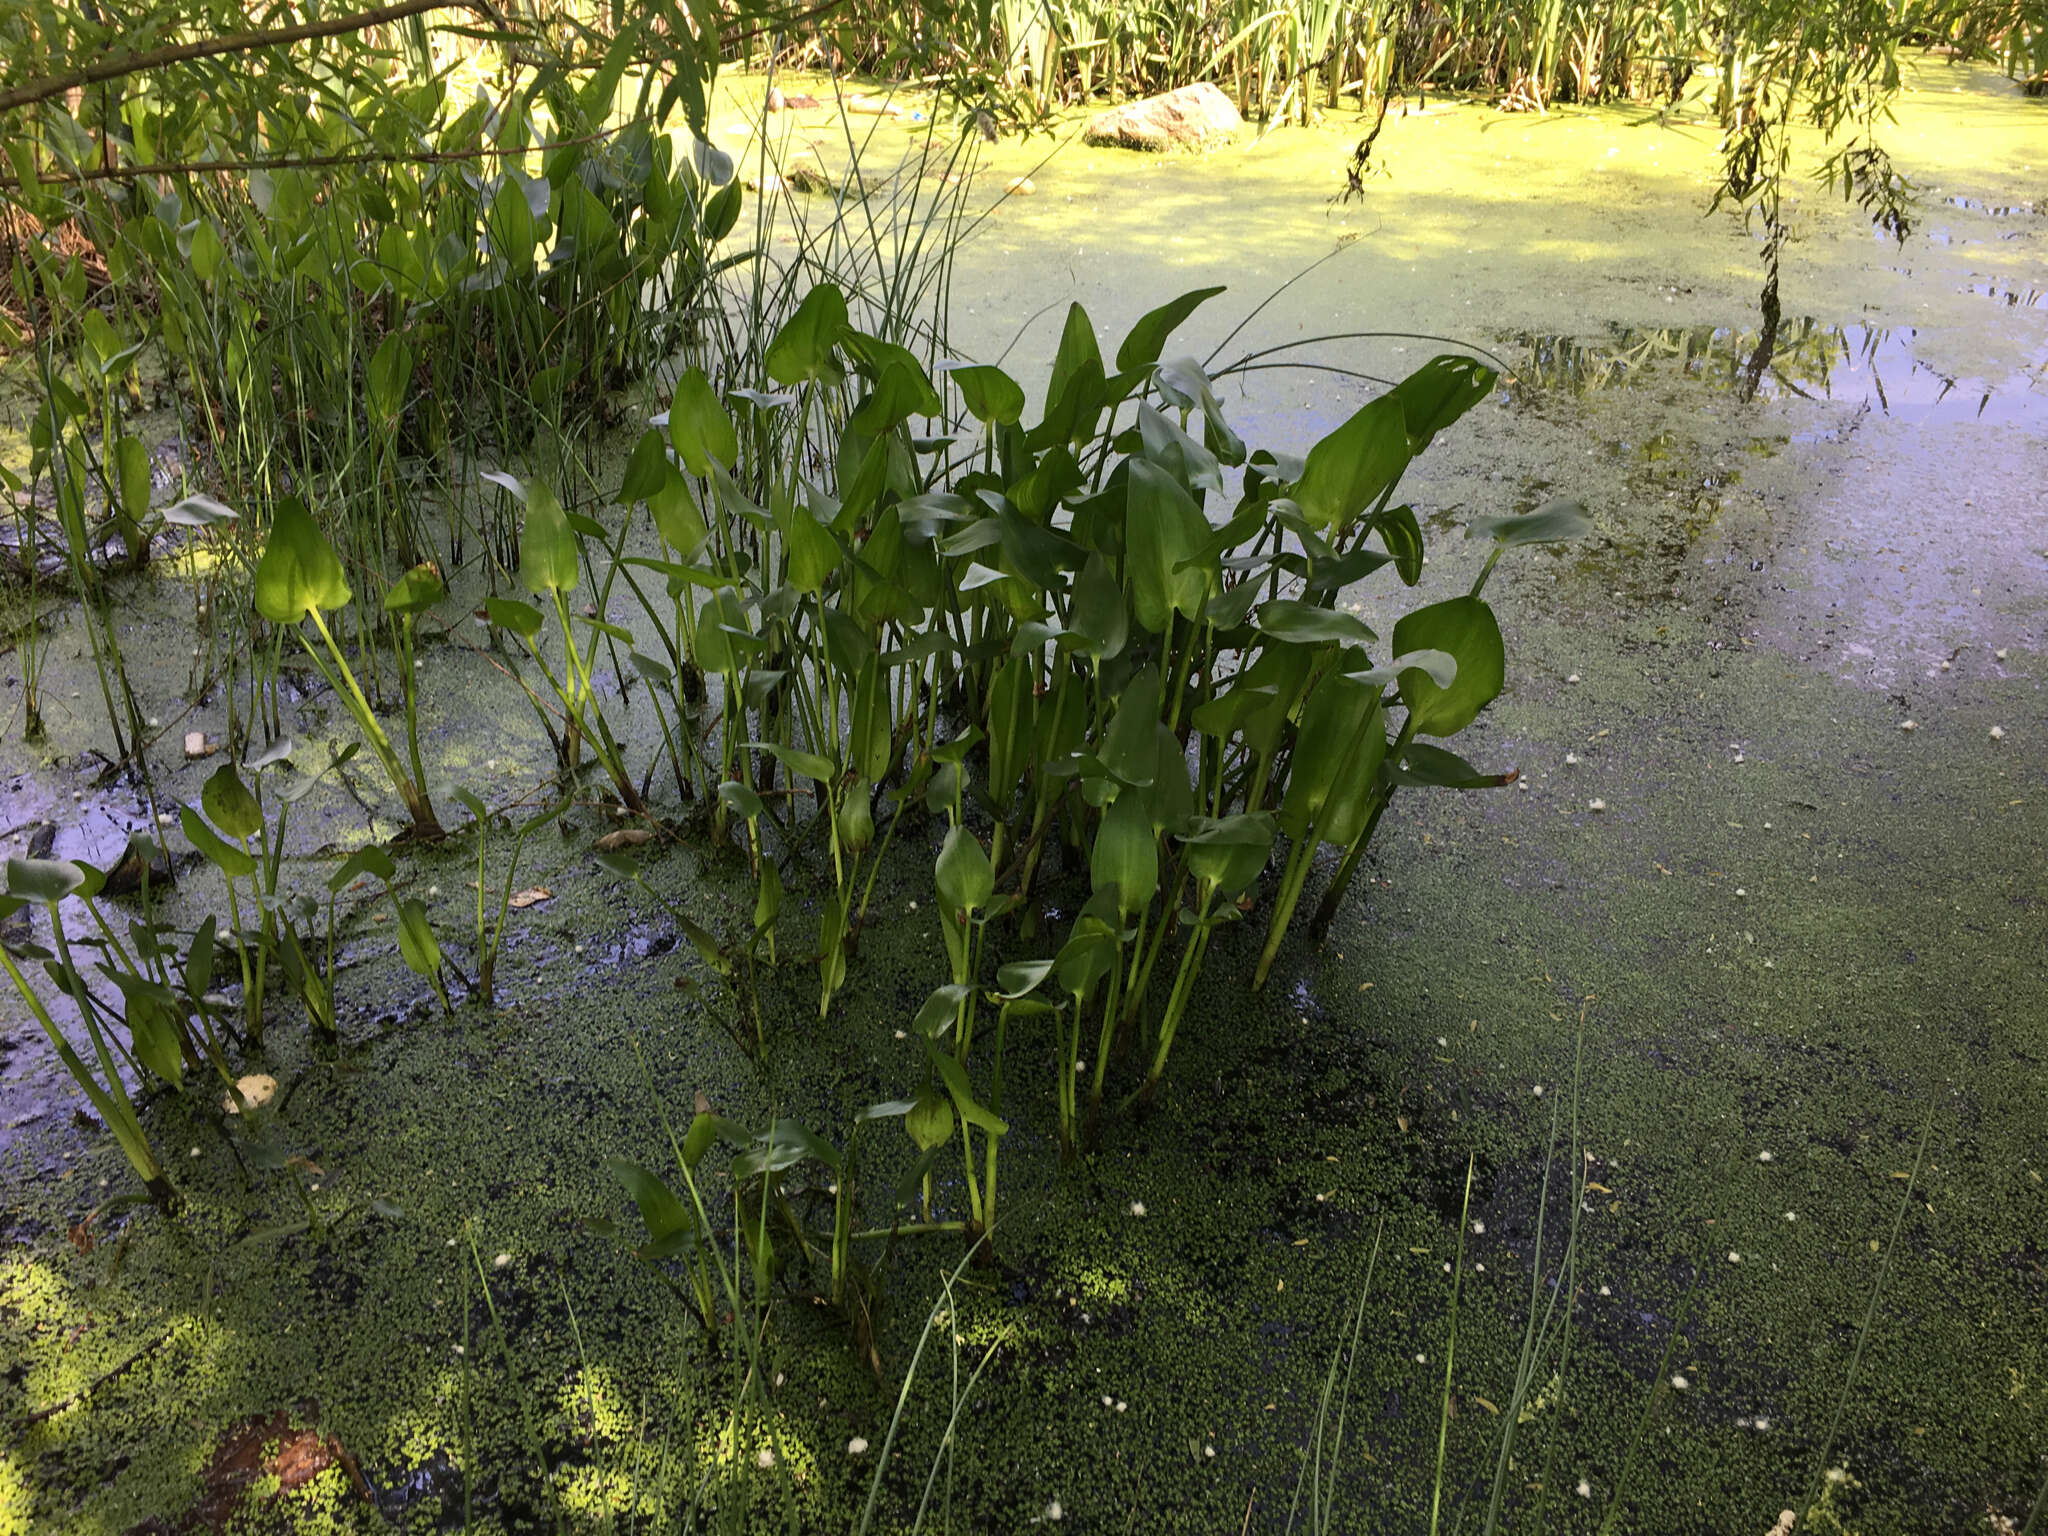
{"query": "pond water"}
pixel 1779 840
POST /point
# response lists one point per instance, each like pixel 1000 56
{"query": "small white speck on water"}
pixel 1209 1451
pixel 1571 759
pixel 1944 666
pixel 155 723
pixel 1537 1090
pixel 1137 1207
pixel 1734 1257
pixel 1479 1228
pixel 1740 758
pixel 502 1261
pixel 856 1446
pixel 1522 785
pixel 195 1151
pixel 1422 1359
pixel 1121 1405
pixel 1998 733
pixel 1604 1291
pixel 1447 1269
pixel 901 1036
pixel 1762 1423
pixel 1741 891
pixel 433 891
pixel 1443 1043
pixel 2000 654
pixel 1909 725
pixel 1106 1401
pixel 1573 678
pixel 764 1458
pixel 1053 1510
pixel 1680 1382
pixel 1596 806
pixel 1763 1157
pixel 1585 1489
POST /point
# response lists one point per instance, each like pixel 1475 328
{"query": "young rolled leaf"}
pixel 547 545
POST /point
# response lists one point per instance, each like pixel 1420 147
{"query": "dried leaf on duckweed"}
pixel 703 1103
pixel 532 896
pixel 257 1089
pixel 625 837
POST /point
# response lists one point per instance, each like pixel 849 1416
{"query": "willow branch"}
pixel 122 65
pixel 304 162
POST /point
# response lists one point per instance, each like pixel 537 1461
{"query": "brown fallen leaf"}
pixel 703 1103
pixel 625 837
pixel 532 896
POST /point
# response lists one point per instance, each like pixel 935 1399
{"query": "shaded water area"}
pixel 1780 840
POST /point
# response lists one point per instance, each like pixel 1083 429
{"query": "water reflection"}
pixel 1844 364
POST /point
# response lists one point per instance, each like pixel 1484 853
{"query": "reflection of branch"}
pixel 303 162
pixel 123 65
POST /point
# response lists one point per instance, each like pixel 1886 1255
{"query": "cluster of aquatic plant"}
pixel 1031 636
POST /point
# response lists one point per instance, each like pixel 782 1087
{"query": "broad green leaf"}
pixel 225 856
pixel 810 764
pixel 939 1011
pixel 1336 717
pixel 1348 470
pixel 813 552
pixel 298 572
pixel 416 942
pixel 523 619
pixel 965 880
pixel 647 469
pixel 699 426
pixel 1098 613
pixel 1438 393
pixel 45 880
pixel 1021 976
pixel 131 477
pixel 930 1119
pixel 740 799
pixel 1163 531
pixel 1466 629
pixel 1128 748
pixel 1229 854
pixel 954 1076
pixel 364 861
pixel 199 512
pixel 1552 523
pixel 1402 535
pixel 802 348
pixel 661 1212
pixel 1437 768
pixel 390 375
pixel 1311 624
pixel 547 545
pixel 509 225
pixel 156 1038
pixel 1143 344
pixel 415 592
pixel 990 395
pixel 1125 856
pixel 229 805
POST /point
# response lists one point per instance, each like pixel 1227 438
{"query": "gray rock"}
pixel 1187 118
